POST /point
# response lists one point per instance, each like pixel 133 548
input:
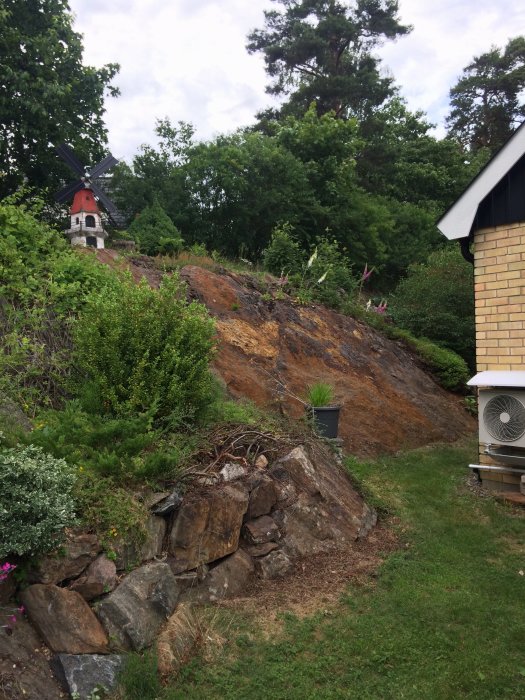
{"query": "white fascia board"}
pixel 458 220
pixel 499 378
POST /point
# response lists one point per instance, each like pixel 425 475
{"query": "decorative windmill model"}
pixel 86 226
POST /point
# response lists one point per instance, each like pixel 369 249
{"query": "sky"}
pixel 186 59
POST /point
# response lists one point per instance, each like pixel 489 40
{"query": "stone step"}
pixel 511 497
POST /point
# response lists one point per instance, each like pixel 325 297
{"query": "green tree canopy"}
pixel 436 301
pixel 46 94
pixel 487 101
pixel 321 50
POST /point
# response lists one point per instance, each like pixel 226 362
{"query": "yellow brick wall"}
pixel 499 269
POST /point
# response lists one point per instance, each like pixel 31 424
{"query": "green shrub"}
pixel 155 232
pixel 331 264
pixel 26 249
pixel 139 349
pixel 436 301
pixel 110 510
pixel 112 447
pixel 35 500
pixel 283 255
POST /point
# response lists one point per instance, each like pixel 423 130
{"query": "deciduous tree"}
pixel 46 94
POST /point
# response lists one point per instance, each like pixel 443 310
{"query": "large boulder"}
pixel 64 620
pixel 133 614
pixel 328 511
pixel 207 526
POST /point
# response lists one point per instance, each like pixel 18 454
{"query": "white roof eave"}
pixel 457 221
pixel 499 378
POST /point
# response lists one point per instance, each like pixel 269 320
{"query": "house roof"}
pixel 458 219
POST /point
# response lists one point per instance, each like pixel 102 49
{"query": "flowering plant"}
pixel 5 569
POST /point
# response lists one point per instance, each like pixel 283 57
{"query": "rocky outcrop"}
pixel 231 525
pixel 271 350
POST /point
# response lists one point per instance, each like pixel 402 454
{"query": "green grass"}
pixel 444 619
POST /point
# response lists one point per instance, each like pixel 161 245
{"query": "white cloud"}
pixel 186 59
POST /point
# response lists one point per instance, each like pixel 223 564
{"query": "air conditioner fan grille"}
pixel 504 418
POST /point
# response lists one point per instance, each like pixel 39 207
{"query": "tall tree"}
pixel 487 101
pixel 321 50
pixel 46 94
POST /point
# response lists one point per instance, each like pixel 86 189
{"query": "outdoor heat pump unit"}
pixel 502 416
pixel 501 412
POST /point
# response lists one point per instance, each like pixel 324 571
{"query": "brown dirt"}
pixel 270 350
pixel 318 582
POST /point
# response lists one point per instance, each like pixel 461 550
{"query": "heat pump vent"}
pixel 504 418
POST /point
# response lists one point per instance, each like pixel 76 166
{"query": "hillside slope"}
pixel 389 401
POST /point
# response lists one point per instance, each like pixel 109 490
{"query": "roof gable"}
pixel 458 220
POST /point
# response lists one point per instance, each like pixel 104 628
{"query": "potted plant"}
pixel 320 404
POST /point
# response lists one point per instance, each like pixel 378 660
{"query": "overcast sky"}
pixel 186 59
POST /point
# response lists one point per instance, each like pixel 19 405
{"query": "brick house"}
pixel 488 220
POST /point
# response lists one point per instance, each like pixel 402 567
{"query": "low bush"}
pixel 109 510
pixel 109 447
pixel 36 500
pixel 139 349
pixel 284 254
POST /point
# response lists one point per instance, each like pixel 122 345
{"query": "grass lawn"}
pixel 444 618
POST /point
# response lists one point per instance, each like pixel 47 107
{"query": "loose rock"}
pixel 64 620
pixel 275 565
pixel 226 579
pixel 260 530
pixel 100 577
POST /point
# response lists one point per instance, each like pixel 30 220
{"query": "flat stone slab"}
pixel 261 530
pixel 83 673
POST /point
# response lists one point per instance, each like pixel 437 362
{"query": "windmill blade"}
pixel 104 199
pixel 108 162
pixel 70 158
pixel 66 192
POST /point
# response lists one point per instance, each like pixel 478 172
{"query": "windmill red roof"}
pixel 84 200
